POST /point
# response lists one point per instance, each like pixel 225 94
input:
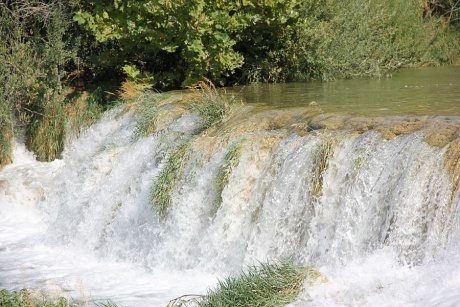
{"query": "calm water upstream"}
pixel 417 91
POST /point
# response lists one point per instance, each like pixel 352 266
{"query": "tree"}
pixel 182 41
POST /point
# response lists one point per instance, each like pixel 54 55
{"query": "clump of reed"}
pixel 229 162
pixel 6 146
pixel 85 109
pixel 148 112
pixel 270 284
pixel 128 90
pixel 325 151
pixel 214 106
pixel 46 131
pixel 48 126
pixel 165 182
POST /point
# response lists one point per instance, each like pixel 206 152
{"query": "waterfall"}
pixel 369 210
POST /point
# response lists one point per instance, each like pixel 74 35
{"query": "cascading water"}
pixel 378 217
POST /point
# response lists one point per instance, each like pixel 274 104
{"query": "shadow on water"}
pixel 411 91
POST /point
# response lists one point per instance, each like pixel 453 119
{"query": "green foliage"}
pixel 166 181
pixel 180 42
pixel 229 162
pixel 373 38
pixel 6 134
pixel 33 57
pixel 46 130
pixel 186 40
pixel 281 46
pixel 270 284
pixel 141 80
pixel 23 298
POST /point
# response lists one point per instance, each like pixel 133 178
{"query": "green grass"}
pixel 229 162
pixel 23 298
pixel 166 181
pixel 268 285
pixel 373 38
pixel 146 119
pixel 214 107
pixel 324 152
pixel 6 146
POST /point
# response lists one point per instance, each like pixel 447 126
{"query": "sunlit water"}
pixel 420 91
pixel 381 224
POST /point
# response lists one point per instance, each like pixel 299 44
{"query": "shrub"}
pixel 373 38
pixel 35 50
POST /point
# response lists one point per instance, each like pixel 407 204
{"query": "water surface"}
pixel 378 217
pixel 414 91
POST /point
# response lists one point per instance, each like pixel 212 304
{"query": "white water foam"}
pixel 383 229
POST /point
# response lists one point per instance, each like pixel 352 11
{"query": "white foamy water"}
pixel 377 218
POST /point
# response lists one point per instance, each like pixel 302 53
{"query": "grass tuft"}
pixel 165 182
pixel 229 162
pixel 270 284
pixel 128 90
pixel 214 107
pixel 82 112
pixel 147 117
pixel 46 131
pixel 6 146
pixel 325 151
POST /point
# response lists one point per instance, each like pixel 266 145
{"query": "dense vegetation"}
pixel 54 52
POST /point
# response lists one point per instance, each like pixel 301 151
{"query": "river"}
pixel 357 178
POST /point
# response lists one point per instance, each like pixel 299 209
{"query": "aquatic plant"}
pixel 165 182
pixel 6 136
pixel 229 162
pixel 325 151
pixel 46 130
pixel 270 284
pixel 148 112
pixel 83 111
pixel 213 106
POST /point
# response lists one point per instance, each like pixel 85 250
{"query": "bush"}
pixel 182 42
pixel 33 59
